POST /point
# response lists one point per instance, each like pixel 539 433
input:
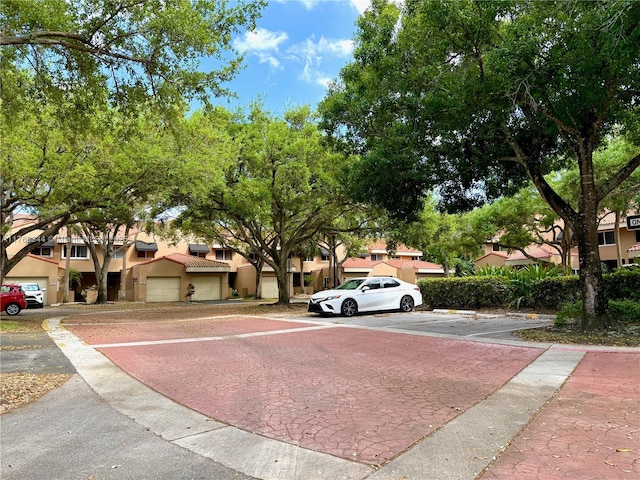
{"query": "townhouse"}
pixel 618 247
pixel 151 269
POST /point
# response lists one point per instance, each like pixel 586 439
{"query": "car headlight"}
pixel 325 299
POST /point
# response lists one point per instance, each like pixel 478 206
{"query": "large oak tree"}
pixel 262 185
pixel 474 97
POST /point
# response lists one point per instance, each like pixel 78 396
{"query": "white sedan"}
pixel 366 294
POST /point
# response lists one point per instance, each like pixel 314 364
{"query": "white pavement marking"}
pixel 211 339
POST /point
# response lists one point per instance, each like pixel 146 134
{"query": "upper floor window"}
pixel 375 257
pixel 43 251
pixel 146 249
pixel 78 252
pixel 606 238
pixel 224 255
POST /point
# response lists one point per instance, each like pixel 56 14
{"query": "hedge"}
pixel 549 294
pixel 464 292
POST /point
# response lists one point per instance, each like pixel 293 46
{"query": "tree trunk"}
pixel 595 303
pixel 282 277
pixel 102 281
pixel 258 266
pixel 67 270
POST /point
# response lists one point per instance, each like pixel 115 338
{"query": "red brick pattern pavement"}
pixel 589 431
pixel 358 394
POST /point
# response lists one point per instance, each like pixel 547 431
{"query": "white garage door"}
pixel 269 287
pixel 43 282
pixel 207 288
pixel 163 289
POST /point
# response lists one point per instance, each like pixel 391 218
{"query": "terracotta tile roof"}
pixel 380 246
pixel 359 263
pixel 535 251
pixel 192 261
pixel 49 260
pixel 364 264
pixel 495 254
pixel 634 248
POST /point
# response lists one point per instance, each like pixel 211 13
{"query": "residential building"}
pixel 626 242
pixel 155 269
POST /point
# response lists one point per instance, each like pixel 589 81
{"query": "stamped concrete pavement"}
pixel 283 398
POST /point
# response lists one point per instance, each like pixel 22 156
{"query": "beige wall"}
pixel 32 267
pixel 139 277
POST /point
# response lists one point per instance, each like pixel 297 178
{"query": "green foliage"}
pixel 261 182
pixel 465 292
pixel 521 280
pixel 545 288
pixel 551 293
pixel 620 312
pixel 624 311
pixel 130 54
pixel 624 283
pixel 476 97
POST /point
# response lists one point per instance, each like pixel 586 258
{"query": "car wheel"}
pixel 349 307
pixel 12 309
pixel 406 304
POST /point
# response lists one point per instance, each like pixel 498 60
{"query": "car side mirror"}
pixel 365 288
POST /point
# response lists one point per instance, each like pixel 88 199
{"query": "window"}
pixel 223 255
pixel 325 257
pixel 198 250
pixel 390 283
pixel 373 284
pixel 43 252
pixel 146 249
pixel 78 252
pixel 606 238
pixel 637 235
pixel 375 258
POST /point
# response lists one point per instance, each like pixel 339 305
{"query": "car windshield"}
pixel 350 285
pixel 30 288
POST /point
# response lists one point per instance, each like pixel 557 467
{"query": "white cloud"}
pixel 361 5
pixel 310 48
pixel 263 43
pixel 311 55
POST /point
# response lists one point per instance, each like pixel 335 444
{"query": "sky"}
pixel 298 47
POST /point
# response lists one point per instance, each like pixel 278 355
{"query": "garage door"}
pixel 269 287
pixel 163 289
pixel 207 288
pixel 42 281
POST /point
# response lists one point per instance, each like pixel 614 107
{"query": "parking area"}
pixel 457 324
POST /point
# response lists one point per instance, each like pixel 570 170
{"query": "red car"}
pixel 12 299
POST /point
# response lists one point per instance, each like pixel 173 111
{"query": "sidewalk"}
pixel 535 425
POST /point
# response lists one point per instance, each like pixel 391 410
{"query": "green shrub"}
pixel 464 292
pixel 552 293
pixel 624 283
pixel 536 287
pixel 620 311
pixel 570 311
pixel 624 311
